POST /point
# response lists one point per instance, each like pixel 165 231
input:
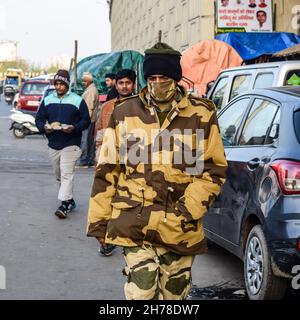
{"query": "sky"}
pixel 47 28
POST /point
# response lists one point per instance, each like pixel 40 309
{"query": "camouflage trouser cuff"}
pixel 156 273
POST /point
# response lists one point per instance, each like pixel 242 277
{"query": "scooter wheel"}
pixel 18 133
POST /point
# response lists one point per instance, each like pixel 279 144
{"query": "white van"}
pixel 234 81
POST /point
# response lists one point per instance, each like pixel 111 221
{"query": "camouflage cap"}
pixel 162 48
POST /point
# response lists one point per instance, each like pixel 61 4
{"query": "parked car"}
pixel 31 94
pixel 15 101
pixel 257 214
pixel 234 81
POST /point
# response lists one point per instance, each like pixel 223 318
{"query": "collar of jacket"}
pixel 91 86
pixel 178 104
pixel 66 95
pixel 180 101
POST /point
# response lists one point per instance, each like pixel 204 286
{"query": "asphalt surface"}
pixel 48 258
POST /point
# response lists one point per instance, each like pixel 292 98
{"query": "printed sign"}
pixel 244 16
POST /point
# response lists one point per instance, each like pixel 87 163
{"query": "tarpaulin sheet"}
pixel 251 45
pixel 202 62
pixel 100 64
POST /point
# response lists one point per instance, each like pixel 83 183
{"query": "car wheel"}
pixel 261 284
pixel 18 133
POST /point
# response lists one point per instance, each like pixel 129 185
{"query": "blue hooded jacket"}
pixel 72 110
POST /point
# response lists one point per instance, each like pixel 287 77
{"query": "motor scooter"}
pixel 22 124
pixel 9 93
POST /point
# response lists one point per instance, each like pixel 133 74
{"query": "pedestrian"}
pixel 146 198
pixel 125 84
pixel 62 116
pixel 110 80
pixel 91 97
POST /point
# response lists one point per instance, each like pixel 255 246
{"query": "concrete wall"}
pixel 285 18
pixel 135 23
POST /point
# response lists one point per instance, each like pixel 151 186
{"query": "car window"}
pixel 264 80
pixel 219 91
pixel 240 84
pixel 230 120
pixel 259 128
pixel 297 124
pixel 34 88
pixel 12 80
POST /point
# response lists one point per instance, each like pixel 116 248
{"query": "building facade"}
pixel 135 24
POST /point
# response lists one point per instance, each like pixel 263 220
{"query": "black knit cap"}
pixel 162 59
pixel 126 73
pixel 63 76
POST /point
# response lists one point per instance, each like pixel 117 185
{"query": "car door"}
pixel 247 159
pixel 229 120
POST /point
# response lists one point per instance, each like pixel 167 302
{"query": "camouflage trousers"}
pixel 153 273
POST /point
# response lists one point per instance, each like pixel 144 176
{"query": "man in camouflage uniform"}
pixel 146 200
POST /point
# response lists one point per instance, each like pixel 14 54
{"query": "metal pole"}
pixel 71 64
pixel 75 63
pixel 159 35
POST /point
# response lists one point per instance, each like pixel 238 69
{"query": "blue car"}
pixel 257 214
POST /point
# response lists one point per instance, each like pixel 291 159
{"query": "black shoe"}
pixel 65 208
pixel 107 249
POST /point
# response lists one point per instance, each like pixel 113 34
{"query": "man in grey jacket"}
pixel 91 97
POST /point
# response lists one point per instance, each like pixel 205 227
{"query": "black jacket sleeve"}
pixel 41 118
pixel 85 120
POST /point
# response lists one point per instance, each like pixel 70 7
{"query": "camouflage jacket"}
pixel 161 201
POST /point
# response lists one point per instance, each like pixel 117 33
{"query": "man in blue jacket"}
pixel 63 116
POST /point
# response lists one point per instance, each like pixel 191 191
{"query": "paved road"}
pixel 48 258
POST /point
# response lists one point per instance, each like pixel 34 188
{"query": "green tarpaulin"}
pixel 100 64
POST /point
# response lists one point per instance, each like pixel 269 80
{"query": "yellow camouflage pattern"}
pixel 156 202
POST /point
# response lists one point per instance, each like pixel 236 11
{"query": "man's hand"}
pixel 68 129
pixel 48 129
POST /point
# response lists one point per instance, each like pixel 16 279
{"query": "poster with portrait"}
pixel 244 16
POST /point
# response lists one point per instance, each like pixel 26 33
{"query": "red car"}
pixel 31 94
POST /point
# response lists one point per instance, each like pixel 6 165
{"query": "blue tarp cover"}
pixel 251 45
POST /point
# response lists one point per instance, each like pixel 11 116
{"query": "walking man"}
pixel 63 116
pixel 91 97
pixel 125 84
pixel 160 168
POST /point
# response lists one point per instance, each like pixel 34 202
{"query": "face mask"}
pixel 162 91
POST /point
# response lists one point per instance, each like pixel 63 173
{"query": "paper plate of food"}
pixel 56 126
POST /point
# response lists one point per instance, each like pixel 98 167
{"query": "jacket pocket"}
pixel 119 202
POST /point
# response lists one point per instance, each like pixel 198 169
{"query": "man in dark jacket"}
pixel 110 80
pixel 63 116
